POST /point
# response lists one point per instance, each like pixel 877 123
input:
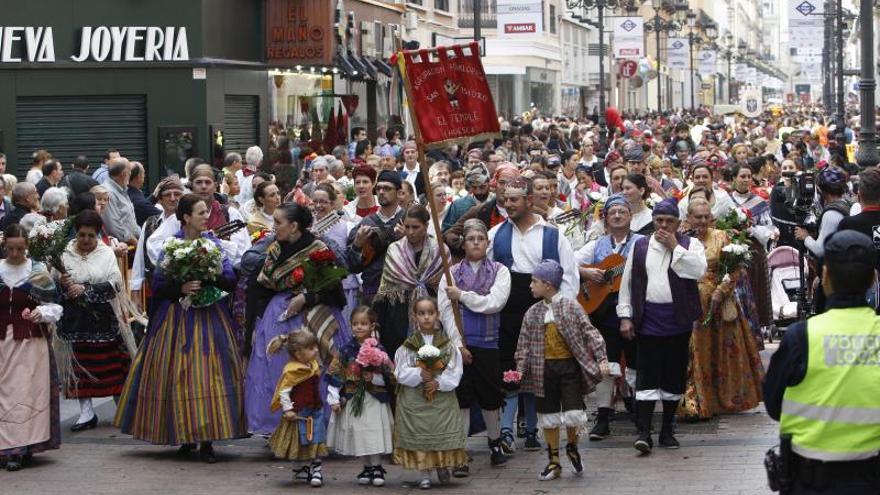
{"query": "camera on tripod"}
pixel 800 197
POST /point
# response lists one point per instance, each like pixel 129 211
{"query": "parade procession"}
pixel 478 246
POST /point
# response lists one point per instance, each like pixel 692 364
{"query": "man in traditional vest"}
pixel 616 216
pixel 658 305
pixel 520 243
pixel 823 381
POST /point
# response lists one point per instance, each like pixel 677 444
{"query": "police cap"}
pixel 850 246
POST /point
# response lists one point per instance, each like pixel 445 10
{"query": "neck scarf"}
pixel 479 282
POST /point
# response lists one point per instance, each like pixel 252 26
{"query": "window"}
pixel 441 5
pixel 552 19
pixel 416 2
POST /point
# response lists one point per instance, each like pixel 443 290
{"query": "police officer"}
pixel 823 384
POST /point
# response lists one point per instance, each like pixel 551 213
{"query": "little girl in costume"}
pixel 428 431
pixel 301 434
pixel 361 423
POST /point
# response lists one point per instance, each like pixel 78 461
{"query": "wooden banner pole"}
pixel 429 192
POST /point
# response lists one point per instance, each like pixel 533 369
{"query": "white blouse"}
pixel 15 275
pixel 410 375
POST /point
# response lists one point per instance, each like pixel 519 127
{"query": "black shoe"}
pixel 303 473
pixel 571 450
pixel 667 440
pixel 378 476
pixel 88 425
pixel 461 471
pixel 186 449
pixel 532 444
pixel 206 453
pixel 366 476
pixel 497 457
pixel 601 430
pixel 644 443
pixel 14 463
pixel 521 431
pixel 508 445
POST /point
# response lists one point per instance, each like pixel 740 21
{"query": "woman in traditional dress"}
pixel 333 229
pixel 725 371
pixel 636 191
pixel 283 305
pixel 95 344
pixel 412 270
pixel 267 199
pixel 28 381
pixel 185 386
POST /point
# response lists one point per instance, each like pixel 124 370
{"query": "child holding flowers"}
pixel 302 433
pixel 361 422
pixel 428 431
pixel 560 357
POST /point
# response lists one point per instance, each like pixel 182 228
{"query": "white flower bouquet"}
pixel 431 359
pixel 194 260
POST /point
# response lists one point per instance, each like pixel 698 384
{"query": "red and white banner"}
pixel 449 95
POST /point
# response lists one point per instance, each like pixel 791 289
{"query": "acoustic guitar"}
pixel 593 294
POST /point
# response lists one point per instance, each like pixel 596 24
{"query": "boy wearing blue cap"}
pixel 561 357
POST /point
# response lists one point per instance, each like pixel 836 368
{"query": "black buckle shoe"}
pixel 571 450
pixel 88 425
pixel 601 430
pixel 532 444
pixel 14 463
pixel 366 476
pixel 644 443
pixel 378 476
pixel 461 471
pixel 667 440
pixel 206 454
pixel 303 473
pixel 186 449
pixel 497 457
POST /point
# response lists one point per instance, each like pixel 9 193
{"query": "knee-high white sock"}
pixel 605 393
pixel 86 413
pixel 376 460
pixel 493 423
pixel 466 420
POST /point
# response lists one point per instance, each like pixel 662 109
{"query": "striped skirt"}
pixel 186 381
pixel 100 369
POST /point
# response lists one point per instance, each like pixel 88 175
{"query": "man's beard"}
pixel 482 197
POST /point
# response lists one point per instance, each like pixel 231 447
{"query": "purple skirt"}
pixel 264 371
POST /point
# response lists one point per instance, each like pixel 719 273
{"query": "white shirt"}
pixel 640 219
pixel 137 267
pixel 350 209
pixel 409 374
pixel 763 228
pixel 686 263
pixel 549 317
pixel 15 275
pixel 246 185
pixel 234 248
pixel 412 175
pixel 526 249
pixel 491 303
pixel 720 206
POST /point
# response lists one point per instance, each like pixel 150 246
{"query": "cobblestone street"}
pixel 723 456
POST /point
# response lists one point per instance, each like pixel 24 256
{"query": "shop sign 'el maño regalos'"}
pixel 96 44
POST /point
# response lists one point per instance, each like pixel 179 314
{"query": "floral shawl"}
pixel 401 274
pixel 277 273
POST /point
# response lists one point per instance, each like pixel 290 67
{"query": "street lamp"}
pixel 692 22
pixel 728 54
pixel 658 24
pixel 600 6
pixel 867 155
pixel 711 31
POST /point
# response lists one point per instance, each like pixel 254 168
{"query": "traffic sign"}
pixel 628 68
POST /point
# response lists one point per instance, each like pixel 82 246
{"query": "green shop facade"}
pixel 159 80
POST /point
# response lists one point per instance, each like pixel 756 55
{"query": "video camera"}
pixel 800 195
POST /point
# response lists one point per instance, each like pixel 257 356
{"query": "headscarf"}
pixel 549 271
pixel 615 200
pixel 667 207
pixel 477 175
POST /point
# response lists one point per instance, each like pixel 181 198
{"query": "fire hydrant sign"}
pixel 449 95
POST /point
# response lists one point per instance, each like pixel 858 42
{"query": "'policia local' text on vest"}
pixel 834 413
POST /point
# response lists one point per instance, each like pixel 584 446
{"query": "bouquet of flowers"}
pixel 431 359
pixel 259 235
pixel 370 359
pixel 46 242
pixel 318 272
pixel 734 256
pixel 190 260
pixel 736 223
pixel 512 376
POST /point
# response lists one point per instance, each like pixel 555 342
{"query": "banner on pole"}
pixel 752 104
pixel 708 62
pixel 519 18
pixel 677 53
pixel 629 37
pixel 449 95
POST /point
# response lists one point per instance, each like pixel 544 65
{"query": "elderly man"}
pixel 143 207
pixel 119 218
pixel 658 305
pixel 168 193
pixel 25 199
pixel 411 171
pixel 477 182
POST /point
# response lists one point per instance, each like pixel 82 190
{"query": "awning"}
pixel 368 65
pixel 383 66
pixel 358 65
pixel 343 64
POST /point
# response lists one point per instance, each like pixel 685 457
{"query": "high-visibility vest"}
pixel 834 413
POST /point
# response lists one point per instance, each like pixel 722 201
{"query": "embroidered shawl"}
pixel 277 272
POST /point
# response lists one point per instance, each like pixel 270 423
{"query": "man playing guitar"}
pixel 618 240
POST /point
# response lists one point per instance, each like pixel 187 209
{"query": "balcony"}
pixel 488 19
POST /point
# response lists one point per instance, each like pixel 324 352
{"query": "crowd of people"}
pixel 519 323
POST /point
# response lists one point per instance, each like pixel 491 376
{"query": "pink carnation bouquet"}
pixel 370 359
pixel 512 376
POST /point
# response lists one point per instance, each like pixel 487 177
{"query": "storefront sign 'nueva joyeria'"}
pixel 96 44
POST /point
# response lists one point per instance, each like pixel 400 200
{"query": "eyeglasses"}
pixel 385 188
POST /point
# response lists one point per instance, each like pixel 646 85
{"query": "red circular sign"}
pixel 628 68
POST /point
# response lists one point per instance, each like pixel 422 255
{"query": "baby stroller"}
pixel 785 282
